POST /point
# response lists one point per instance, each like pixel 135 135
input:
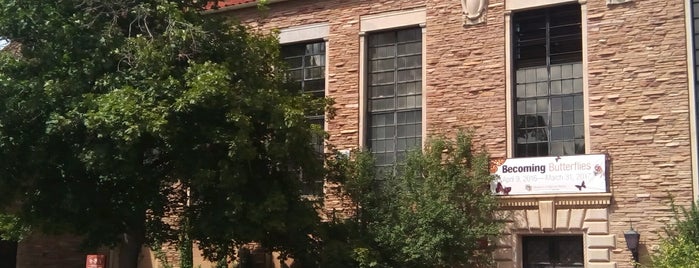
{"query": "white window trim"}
pixel 528 4
pixel 391 20
pixel 304 33
pixel 508 74
pixel 692 96
pixel 388 21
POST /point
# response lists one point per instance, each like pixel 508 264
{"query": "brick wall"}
pixel 637 93
pixel 48 251
pixel 639 112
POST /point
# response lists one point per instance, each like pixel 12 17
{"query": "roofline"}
pixel 236 7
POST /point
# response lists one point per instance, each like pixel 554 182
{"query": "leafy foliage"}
pixel 681 246
pixel 676 252
pixel 11 228
pixel 434 213
pixel 121 114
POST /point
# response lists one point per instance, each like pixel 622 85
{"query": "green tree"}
pixel 434 213
pixel 120 119
pixel 680 248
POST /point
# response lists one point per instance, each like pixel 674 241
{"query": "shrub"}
pixel 434 212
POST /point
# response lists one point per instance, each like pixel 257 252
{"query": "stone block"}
pixel 504 241
pixel 601 265
pixel 503 254
pixel 598 255
pixel 596 228
pixel 505 264
pixel 533 219
pixel 547 214
pixel 520 219
pixel 601 241
pixel 562 218
pixel 600 214
pixel 576 218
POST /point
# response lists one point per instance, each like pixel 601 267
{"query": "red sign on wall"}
pixel 95 261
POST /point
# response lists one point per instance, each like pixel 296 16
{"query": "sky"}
pixel 3 43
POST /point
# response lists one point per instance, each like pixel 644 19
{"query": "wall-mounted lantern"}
pixel 632 240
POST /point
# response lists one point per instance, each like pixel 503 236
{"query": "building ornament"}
pixel 474 11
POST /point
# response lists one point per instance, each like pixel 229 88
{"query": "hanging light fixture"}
pixel 632 240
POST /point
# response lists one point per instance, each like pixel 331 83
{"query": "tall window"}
pixel 307 67
pixel 394 84
pixel 552 251
pixel 548 82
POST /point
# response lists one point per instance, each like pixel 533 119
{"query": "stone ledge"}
pixel 601 200
pixel 617 2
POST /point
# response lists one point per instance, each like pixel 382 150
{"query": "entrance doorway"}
pixel 553 251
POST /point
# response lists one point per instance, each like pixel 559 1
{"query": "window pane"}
pixel 409 75
pixel 382 52
pixel 531 106
pixel 568 103
pixel 555 72
pixel 306 64
pixel 542 105
pixel 579 146
pixel 531 75
pixel 382 39
pixel 382 78
pixel 409 48
pixel 578 117
pixel 410 61
pixel 531 89
pixel 520 91
pixel 382 65
pixel 542 89
pixel 577 85
pixel 414 34
pixel 382 91
pixel 568 117
pixel 567 86
pixel 568 148
pixel 541 74
pixel 520 76
pixel 382 104
pixel 394 81
pixel 556 119
pixel 295 62
pixel 409 88
pixel 556 104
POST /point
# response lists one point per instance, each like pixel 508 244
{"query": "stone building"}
pixel 587 107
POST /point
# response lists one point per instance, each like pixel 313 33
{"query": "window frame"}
pixel 692 20
pixel 510 71
pixel 397 112
pixel 316 33
pixel 386 21
pixel 318 119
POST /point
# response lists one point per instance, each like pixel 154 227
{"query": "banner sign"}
pixel 551 175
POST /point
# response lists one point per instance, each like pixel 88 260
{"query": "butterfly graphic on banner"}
pixel 582 185
pixel 598 170
pixel 502 189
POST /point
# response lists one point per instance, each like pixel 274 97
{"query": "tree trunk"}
pixel 130 249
